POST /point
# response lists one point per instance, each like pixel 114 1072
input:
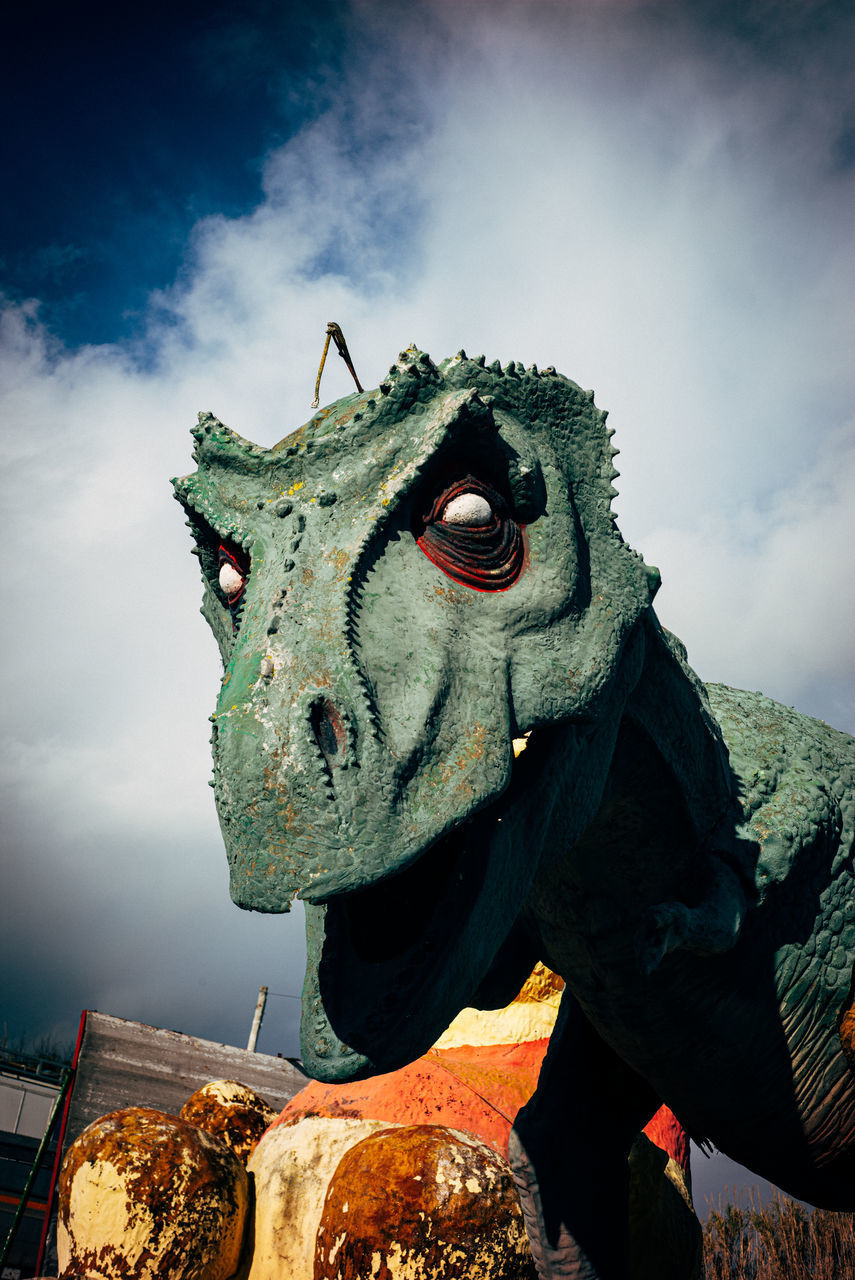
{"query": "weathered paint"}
pixel 530 1015
pixel 145 1195
pixel 234 1113
pixel 422 1203
pixel 292 1167
pixel 474 1088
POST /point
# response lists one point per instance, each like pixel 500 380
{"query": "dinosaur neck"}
pixel 652 846
pixel 670 705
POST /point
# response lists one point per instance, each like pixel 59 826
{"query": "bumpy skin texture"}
pixel 682 856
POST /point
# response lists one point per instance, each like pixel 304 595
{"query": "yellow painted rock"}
pixel 145 1194
pixel 232 1112
pixel 530 1016
pixel 292 1166
pixel 421 1202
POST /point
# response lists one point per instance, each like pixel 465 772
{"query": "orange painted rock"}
pixel 420 1202
pixel 475 1079
pixel 479 1088
pixel 232 1112
pixel 667 1132
pixel 145 1194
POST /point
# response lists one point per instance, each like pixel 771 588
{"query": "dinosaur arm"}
pixel 569 1149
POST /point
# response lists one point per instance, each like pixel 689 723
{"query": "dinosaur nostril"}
pixel 328 728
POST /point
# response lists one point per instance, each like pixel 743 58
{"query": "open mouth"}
pixel 383 921
pixel 401 943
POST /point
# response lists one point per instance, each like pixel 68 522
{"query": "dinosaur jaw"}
pixel 392 964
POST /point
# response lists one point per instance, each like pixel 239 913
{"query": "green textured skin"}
pixel 681 855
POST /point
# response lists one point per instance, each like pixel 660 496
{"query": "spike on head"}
pixel 654 579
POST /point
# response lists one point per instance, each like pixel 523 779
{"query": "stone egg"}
pixel 420 1202
pixel 232 1112
pixel 145 1194
pixel 291 1168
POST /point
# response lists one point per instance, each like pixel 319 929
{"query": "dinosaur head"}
pixel 402 588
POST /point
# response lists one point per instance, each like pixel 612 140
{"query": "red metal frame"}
pixel 54 1178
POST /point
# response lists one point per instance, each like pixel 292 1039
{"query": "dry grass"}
pixel 779 1240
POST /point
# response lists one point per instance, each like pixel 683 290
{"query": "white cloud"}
pixel 657 222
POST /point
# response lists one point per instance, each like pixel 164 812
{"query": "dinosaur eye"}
pixel 468 508
pixel 233 573
pixel 231 581
pixel 470 534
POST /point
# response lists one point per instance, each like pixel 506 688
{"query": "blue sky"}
pixel 134 124
pixel 654 197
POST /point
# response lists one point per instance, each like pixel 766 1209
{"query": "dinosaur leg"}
pixel 569 1149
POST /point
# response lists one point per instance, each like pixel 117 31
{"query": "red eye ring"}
pixel 485 557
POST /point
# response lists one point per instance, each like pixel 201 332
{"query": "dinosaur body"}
pixel 417 578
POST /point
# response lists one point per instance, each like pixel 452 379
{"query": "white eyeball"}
pixel 230 580
pixel 468 508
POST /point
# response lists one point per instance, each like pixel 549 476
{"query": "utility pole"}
pixel 256 1019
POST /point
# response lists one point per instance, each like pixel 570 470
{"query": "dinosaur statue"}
pixel 452 724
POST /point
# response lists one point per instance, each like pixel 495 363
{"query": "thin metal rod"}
pixel 317 399
pixel 54 1177
pixel 338 339
pixel 256 1019
pixel 334 332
